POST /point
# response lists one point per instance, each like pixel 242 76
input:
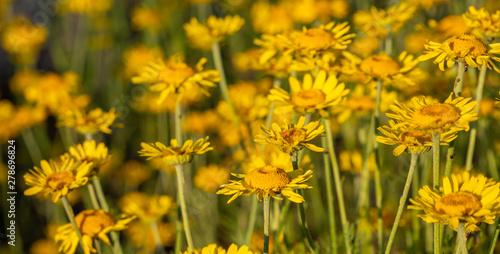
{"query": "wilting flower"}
pixel 146 208
pixel 96 120
pixel 202 36
pixel 482 23
pixel 268 181
pixel 56 179
pixel 292 137
pixel 465 198
pixel 175 154
pixel 23 40
pixel 213 249
pixel 92 224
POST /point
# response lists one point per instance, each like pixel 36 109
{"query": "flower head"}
pixel 96 120
pixel 210 177
pixel 215 30
pixel 176 77
pixel 270 18
pixel 465 48
pixel 213 249
pixel 92 224
pixel 268 181
pixel 146 208
pixel 23 40
pixel 292 137
pixel 482 23
pixel 146 18
pixel 136 58
pixel 90 152
pixel 56 179
pixel 175 154
pixel 465 198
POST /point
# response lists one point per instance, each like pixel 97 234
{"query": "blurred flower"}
pixel 302 11
pixel 88 6
pixel 451 25
pixel 43 246
pixel 326 9
pixel 482 23
pixel 175 76
pixel 91 224
pixel 250 99
pixel 376 22
pixel 142 236
pixel 268 181
pixel 364 46
pixel 453 114
pixel 91 153
pixel 146 18
pixel 147 208
pixel 22 79
pixel 158 164
pixel 415 42
pixel 202 36
pixel 201 122
pixel 270 18
pixel 465 48
pixel 137 57
pixel 427 4
pixel 210 177
pixel 309 97
pixel 465 198
pixel 56 179
pixel 175 154
pixel 270 156
pixel 293 137
pixel 213 249
pixel 14 120
pixel 134 173
pixel 23 40
pixel 96 120
pixel 353 161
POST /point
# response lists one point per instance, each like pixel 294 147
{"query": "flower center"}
pixel 60 179
pixel 314 38
pixel 293 135
pixel 466 43
pixel 379 66
pixel 92 222
pixel 267 178
pixel 436 115
pixel 412 136
pixel 458 204
pixel 175 73
pixel 308 98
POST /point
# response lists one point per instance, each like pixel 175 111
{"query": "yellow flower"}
pixel 201 122
pixel 451 25
pixel 376 22
pixel 146 18
pixel 452 115
pixel 96 120
pixel 14 120
pixel 215 30
pixel 92 224
pixel 213 249
pixel 249 100
pixel 210 177
pixel 326 9
pixel 482 22
pixel 143 239
pixel 90 152
pixel 147 208
pixel 56 179
pixel 175 154
pixel 410 140
pixel 270 18
pixel 326 62
pixel 43 246
pixel 353 161
pixel 23 40
pixel 176 77
pixel 465 48
pixel 427 4
pixel 309 97
pixel 88 6
pixel 365 46
pixel 292 138
pixel 302 11
pixel 136 58
pixel 134 173
pixel 268 181
pixel 465 198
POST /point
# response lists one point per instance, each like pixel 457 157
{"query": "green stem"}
pixel 32 145
pixel 92 195
pixel 97 245
pixel 283 216
pixel 71 216
pixel 449 158
pixel 77 62
pixel 100 194
pixel 461 240
pixel 338 186
pixel 457 88
pixel 473 131
pixel 178 122
pixel 156 234
pixel 182 202
pixel 495 237
pixel 329 199
pixel 402 201
pixel 267 223
pixel 388 41
pixel 435 183
pixel 378 185
pixel 251 220
pixel 88 136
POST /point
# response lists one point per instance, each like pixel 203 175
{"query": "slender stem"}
pixel 77 62
pixel 267 222
pixel 435 184
pixel 156 234
pixel 88 136
pixel 275 225
pixel 283 216
pixel 251 220
pixel 97 245
pixel 329 199
pixel 449 158
pixel 495 237
pixel 71 216
pixel 473 131
pixel 388 42
pixel 32 145
pixel 178 122
pixel 461 240
pixel 457 88
pixel 338 186
pixel 378 185
pixel 402 201
pixel 182 202
pixel 100 194
pixel 92 195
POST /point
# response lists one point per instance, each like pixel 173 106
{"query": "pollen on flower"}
pixel 176 73
pixel 468 43
pixel 58 180
pixel 92 222
pixel 315 38
pixel 458 204
pixel 308 98
pixel 267 178
pixel 380 65
pixel 433 114
pixel 293 135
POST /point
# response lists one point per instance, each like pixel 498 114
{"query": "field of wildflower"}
pixel 239 126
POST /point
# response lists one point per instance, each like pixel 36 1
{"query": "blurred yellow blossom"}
pixel 270 18
pixel 147 208
pixel 23 40
pixel 209 178
pixel 202 36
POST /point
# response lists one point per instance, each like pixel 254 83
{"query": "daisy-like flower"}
pixel 92 224
pixel 465 48
pixel 23 40
pixel 146 18
pixel 56 179
pixel 175 154
pixel 96 120
pixel 292 137
pixel 268 181
pixel 134 59
pixel 411 141
pixel 308 96
pixel 176 77
pixel 452 115
pixel 213 249
pixel 270 18
pixel 146 208
pixel 465 198
pixel 482 23
pixel 90 152
pixel 210 177
pixel 216 29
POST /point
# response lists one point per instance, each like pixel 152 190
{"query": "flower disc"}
pixel 267 178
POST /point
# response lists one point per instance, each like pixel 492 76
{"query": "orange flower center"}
pixel 436 115
pixel 92 222
pixel 267 178
pixel 412 136
pixel 60 179
pixel 308 98
pixel 293 135
pixel 458 204
pixel 175 73
pixel 379 66
pixel 467 43
pixel 314 38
